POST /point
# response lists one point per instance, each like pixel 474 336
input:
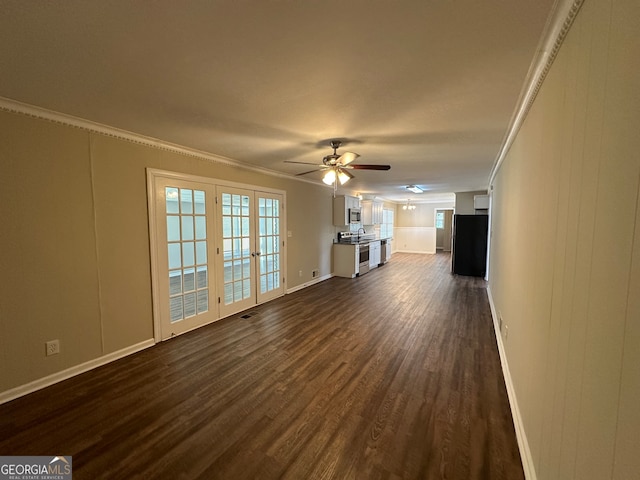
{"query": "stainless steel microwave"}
pixel 355 216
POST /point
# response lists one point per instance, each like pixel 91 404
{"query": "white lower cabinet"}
pixel 345 260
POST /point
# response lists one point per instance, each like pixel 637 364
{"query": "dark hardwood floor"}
pixel 394 375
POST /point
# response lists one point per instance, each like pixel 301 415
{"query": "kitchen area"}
pixel 363 239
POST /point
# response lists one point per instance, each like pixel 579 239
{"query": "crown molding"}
pixel 556 30
pixel 14 106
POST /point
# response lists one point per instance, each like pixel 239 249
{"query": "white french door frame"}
pixel 152 175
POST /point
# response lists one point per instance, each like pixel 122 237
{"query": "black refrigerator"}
pixel 469 255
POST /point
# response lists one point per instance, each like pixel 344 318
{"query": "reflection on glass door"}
pixel 238 254
pixel 270 285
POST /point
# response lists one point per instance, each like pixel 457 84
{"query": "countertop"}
pixel 362 241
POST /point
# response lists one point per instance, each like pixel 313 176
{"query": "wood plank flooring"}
pixel 394 375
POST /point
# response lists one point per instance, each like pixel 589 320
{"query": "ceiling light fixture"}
pixel 334 175
pixel 408 206
pixel 330 177
pixel 343 177
pixel 414 189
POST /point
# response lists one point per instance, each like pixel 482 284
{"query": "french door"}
pixel 216 250
pixel 184 254
pixel 270 277
pixel 250 254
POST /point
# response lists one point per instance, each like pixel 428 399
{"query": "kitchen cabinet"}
pixel 374 254
pixel 372 211
pixel 345 260
pixel 341 206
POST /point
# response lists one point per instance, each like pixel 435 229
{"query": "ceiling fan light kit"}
pixel 343 177
pixel 336 166
pixel 329 177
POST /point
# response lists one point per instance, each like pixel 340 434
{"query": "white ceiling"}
pixel 427 86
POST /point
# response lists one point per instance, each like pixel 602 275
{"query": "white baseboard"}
pixel 72 372
pixel 308 284
pixel 521 435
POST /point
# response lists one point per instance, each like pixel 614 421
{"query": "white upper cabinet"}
pixel 372 212
pixel 341 206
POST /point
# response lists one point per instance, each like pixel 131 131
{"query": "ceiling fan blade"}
pixel 303 163
pixel 370 167
pixel 345 171
pixel 347 157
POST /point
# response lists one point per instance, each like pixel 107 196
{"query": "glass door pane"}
pixel 237 276
pixel 187 252
pixel 184 226
pixel 269 208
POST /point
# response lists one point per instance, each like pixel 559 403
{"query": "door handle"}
pixel 258 253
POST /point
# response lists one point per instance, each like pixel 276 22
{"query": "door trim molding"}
pixel 153 253
pixel 156 172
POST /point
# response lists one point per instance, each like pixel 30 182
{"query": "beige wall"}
pixel 565 253
pixel 75 244
pixel 464 202
pixel 422 216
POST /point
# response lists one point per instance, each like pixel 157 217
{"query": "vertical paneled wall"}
pixel 565 253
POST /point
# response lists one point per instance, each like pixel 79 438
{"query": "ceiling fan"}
pixel 337 167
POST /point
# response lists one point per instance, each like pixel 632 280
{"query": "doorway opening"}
pixel 444 229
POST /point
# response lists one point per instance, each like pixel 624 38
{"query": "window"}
pixel 439 219
pixel 386 227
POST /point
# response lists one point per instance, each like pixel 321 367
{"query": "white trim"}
pixel 489 233
pixel 13 106
pixel 558 25
pixel 187 177
pixel 308 284
pixel 153 253
pixel 521 435
pixel 73 371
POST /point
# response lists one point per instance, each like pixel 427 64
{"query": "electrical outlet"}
pixel 506 332
pixel 300 273
pixel 52 347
